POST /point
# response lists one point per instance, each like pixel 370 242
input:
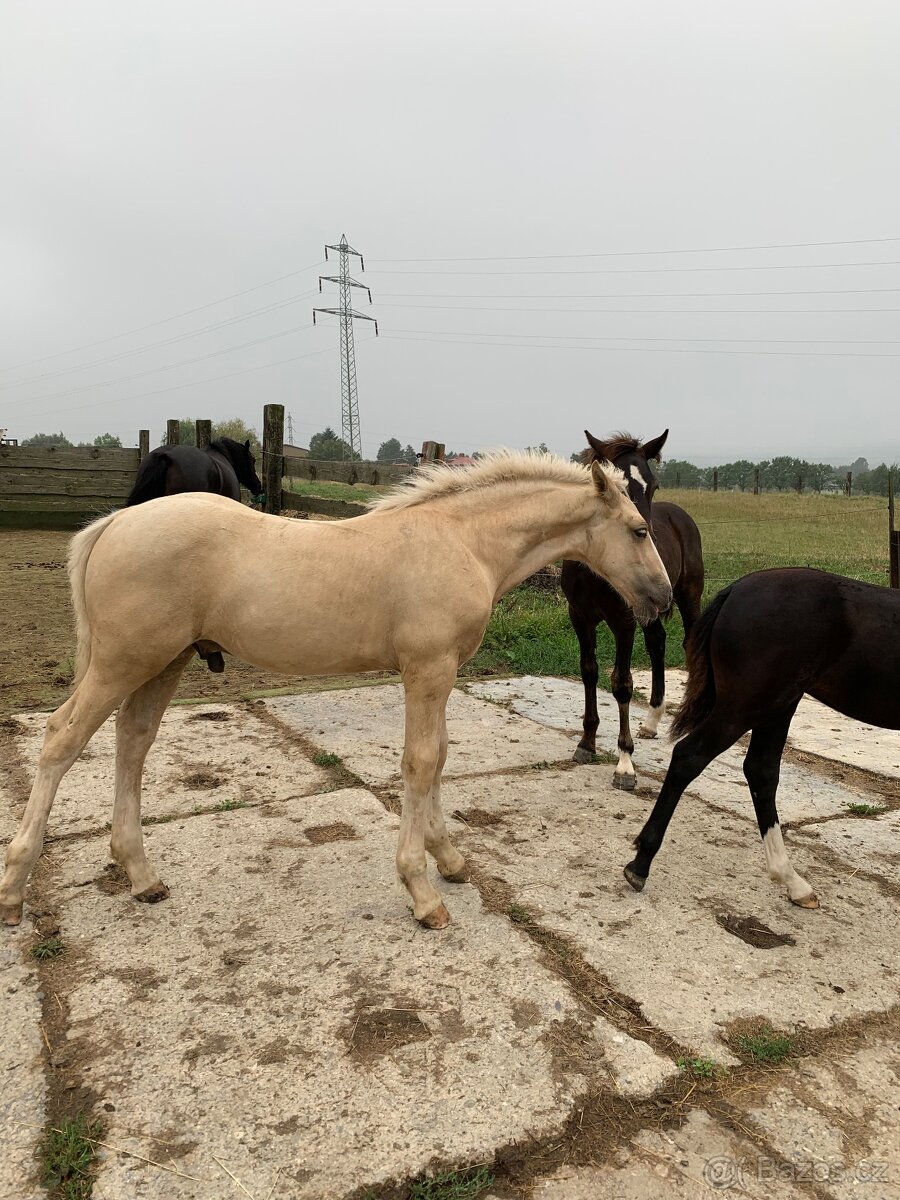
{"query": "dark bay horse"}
pixel 223 468
pixel 760 645
pixel 592 600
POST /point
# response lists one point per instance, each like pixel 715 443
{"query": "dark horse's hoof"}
pixel 626 783
pixel 584 756
pixel 636 881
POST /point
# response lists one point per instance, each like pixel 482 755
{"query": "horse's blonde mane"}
pixel 435 480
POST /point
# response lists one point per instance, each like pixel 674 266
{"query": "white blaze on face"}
pixel 636 477
pixel 779 865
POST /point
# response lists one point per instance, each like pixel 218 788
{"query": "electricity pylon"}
pixel 350 433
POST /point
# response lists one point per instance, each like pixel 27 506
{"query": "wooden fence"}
pixel 42 487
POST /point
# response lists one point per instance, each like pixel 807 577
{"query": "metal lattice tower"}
pixel 349 402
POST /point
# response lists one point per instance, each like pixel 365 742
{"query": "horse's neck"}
pixel 516 534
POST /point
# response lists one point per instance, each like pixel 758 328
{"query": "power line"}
pixel 634 311
pixel 629 295
pixel 165 320
pixel 180 337
pixel 660 270
pixel 402 336
pixel 612 337
pixel 169 367
pixel 650 253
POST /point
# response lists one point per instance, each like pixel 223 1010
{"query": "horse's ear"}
pixel 595 444
pixel 247 443
pixel 653 449
pixel 602 482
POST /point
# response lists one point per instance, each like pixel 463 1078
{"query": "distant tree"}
pixel 677 473
pixel 108 439
pixel 408 455
pixel 47 439
pixel 187 433
pixel 327 445
pixel 389 451
pixel 238 431
pixel 577 456
pixel 541 449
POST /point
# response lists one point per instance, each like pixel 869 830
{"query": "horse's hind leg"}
pixel 137 723
pixel 450 862
pixel 69 729
pixel 655 640
pixel 762 766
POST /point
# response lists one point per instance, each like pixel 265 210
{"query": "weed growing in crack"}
pixel 229 805
pixel 520 914
pixel 325 759
pixel 865 810
pixel 766 1046
pixel 49 948
pixel 452 1185
pixel 69 1159
pixel 701 1068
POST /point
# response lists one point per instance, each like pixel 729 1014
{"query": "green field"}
pixel 530 632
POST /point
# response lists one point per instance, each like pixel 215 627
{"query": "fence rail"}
pixel 42 487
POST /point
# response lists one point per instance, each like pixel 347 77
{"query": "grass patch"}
pixel 360 492
pixel 865 810
pixel 452 1185
pixel 325 759
pixel 701 1068
pixel 765 1045
pixel 69 1159
pixel 229 805
pixel 49 948
pixel 520 914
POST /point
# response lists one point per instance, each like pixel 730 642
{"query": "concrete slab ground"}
pixel 281 1028
pixel 561 845
pixel 22 1083
pixel 552 702
pixel 282 1013
pixel 820 730
pixel 204 754
pixel 365 727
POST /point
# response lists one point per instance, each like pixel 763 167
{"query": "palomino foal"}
pixel 408 586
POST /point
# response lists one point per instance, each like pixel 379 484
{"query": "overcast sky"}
pixel 162 157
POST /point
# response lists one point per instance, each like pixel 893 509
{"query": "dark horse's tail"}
pixel 700 696
pixel 151 478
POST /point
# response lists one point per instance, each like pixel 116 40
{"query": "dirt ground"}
pixel 37 636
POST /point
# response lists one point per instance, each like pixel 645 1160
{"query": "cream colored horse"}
pixel 408 586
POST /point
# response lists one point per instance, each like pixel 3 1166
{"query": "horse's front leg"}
pixel 450 862
pixel 622 687
pixel 655 641
pixel 427 687
pixel 586 632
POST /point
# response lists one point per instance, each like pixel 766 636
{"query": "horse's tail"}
pixel 151 478
pixel 700 696
pixel 79 552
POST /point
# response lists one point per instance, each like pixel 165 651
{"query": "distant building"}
pixel 294 451
pixel 459 460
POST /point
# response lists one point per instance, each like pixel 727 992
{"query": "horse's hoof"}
pixel 648 734
pixel 10 914
pixel 810 901
pixel 625 783
pixel 583 756
pixel 438 918
pixel 215 662
pixel 636 881
pixel 153 894
pixel 460 876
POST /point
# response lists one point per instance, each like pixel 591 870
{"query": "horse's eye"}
pixel 642 532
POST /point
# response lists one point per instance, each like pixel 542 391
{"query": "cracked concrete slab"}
pixel 365 727
pixel 820 730
pixel 698 1161
pixel 283 1017
pixel 561 845
pixel 634 1067
pixel 872 843
pixel 837 1123
pixel 22 1086
pixel 204 754
pixel 552 702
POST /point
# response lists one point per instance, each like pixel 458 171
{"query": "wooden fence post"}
pixel 173 432
pixel 848 486
pixel 432 452
pixel 893 536
pixel 799 484
pixel 715 479
pixel 144 443
pixel 273 455
pixel 756 481
pixel 204 433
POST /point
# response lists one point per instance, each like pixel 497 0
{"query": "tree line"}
pixel 781 474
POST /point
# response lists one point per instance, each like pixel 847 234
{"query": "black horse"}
pixel 760 645
pixel 224 467
pixel 592 600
